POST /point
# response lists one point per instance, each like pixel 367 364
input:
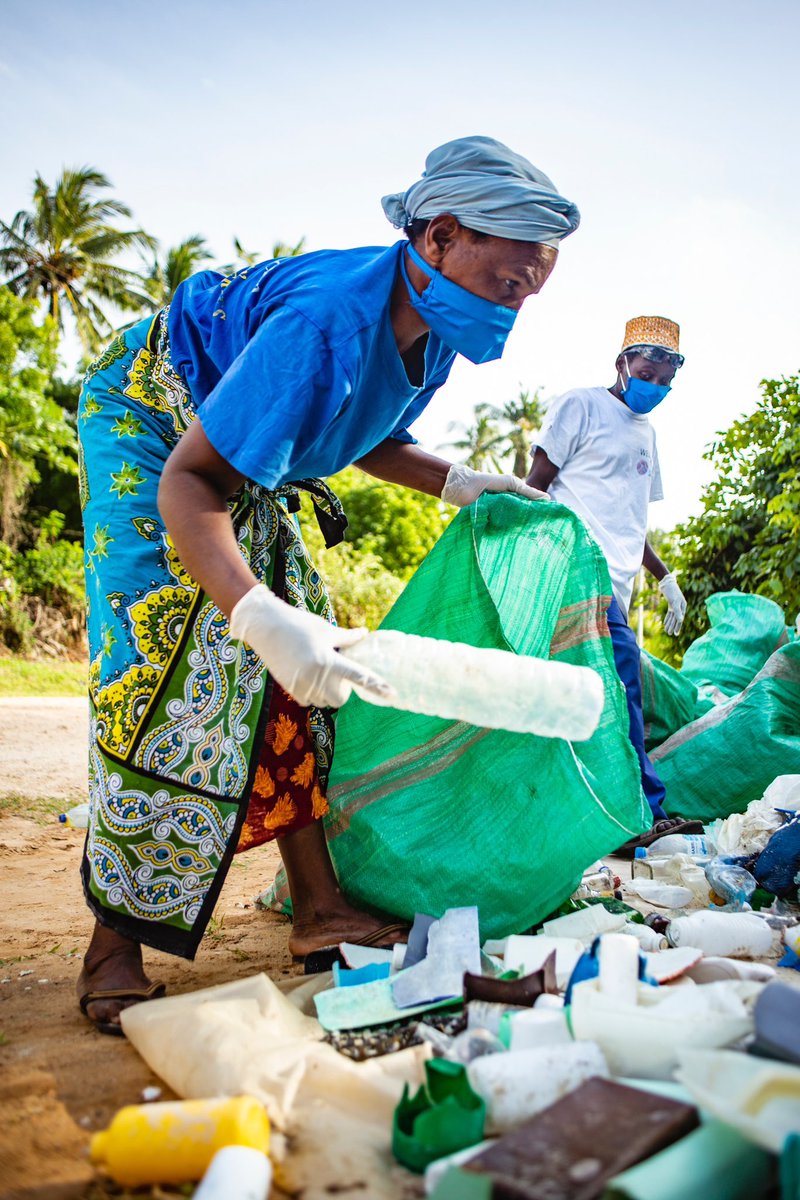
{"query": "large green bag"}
pixel 727 758
pixel 669 700
pixel 429 814
pixel 745 630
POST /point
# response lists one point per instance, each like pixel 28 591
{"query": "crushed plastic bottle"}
pixel 602 882
pixel 236 1173
pixel 491 688
pixel 731 885
pixel 76 818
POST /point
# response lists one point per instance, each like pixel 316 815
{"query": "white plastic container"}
pixel 722 934
pixel 236 1173
pixel 519 1085
pixel 491 688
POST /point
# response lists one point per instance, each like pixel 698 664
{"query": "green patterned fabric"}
pixel 428 814
pixel 178 708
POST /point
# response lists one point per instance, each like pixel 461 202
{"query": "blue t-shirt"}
pixel 293 363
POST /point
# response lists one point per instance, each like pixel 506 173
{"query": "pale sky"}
pixel 674 127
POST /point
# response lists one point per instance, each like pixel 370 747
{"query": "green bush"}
pixel 41 594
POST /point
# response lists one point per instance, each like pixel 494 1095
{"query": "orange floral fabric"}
pixel 286 794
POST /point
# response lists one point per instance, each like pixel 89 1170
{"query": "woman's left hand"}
pixel 463 486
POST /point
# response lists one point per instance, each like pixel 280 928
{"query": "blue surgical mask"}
pixel 467 323
pixel 640 395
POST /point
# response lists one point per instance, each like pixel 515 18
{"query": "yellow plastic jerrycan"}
pixel 174 1142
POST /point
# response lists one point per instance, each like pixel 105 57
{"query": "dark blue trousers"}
pixel 627 658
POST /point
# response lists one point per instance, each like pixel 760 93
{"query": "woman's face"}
pixel 498 269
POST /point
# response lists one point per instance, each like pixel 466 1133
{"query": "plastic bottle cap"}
pixel 62 818
pixel 640 852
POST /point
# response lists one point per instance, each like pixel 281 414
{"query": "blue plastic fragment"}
pixel 342 977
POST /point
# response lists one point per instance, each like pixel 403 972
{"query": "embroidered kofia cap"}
pixel 652 331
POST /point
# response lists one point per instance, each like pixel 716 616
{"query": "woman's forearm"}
pixel 400 462
pixel 192 500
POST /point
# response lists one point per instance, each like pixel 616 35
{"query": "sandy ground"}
pixel 59 1079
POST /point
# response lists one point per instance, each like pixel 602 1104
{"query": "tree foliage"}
pixel 747 535
pixel 501 436
pixel 178 264
pixel 394 523
pixel 34 428
pixel 64 251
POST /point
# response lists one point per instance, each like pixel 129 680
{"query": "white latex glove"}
pixel 668 586
pixel 463 486
pixel 300 649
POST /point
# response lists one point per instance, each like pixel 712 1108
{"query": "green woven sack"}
pixel 717 765
pixel 428 814
pixel 669 700
pixel 745 630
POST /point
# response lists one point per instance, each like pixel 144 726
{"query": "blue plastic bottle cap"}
pixel 640 852
pixel 62 818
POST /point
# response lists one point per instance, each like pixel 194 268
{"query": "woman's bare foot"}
pixel 112 963
pixel 312 931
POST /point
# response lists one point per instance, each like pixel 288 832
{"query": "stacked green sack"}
pixel 669 700
pixel 745 630
pixel 718 764
pixel 429 814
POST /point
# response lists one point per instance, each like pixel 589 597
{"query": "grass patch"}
pixel 42 677
pixel 44 810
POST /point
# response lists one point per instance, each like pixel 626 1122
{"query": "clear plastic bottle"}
pixel 491 688
pixel 731 883
pixel 693 844
pixel 76 818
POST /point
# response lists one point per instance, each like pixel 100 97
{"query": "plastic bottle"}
pixel 175 1141
pixel 732 884
pixel 491 688
pixel 600 883
pixel 76 818
pixel 722 934
pixel 236 1173
pixel 693 844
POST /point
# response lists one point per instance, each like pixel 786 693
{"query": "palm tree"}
pixel 179 263
pixel 251 257
pixel 63 251
pixel 523 418
pixel 482 442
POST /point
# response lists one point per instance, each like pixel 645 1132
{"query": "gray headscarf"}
pixel 489 188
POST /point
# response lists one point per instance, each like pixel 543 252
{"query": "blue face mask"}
pixel 640 395
pixel 465 322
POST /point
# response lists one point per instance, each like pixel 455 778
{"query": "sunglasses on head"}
pixel 657 354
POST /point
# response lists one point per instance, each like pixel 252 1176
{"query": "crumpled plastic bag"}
pixel 749 832
pixel 247 1037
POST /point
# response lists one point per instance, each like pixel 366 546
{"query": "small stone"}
pixel 149 1094
pixel 22 974
pixel 42 980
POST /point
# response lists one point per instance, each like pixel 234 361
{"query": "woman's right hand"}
pixel 299 648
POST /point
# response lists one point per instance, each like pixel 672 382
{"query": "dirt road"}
pixel 59 1079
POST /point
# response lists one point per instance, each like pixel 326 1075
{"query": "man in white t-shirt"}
pixel 596 453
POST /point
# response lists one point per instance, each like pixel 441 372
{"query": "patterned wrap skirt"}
pixel 194 752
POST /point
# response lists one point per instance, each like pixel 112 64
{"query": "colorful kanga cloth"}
pixel 186 724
